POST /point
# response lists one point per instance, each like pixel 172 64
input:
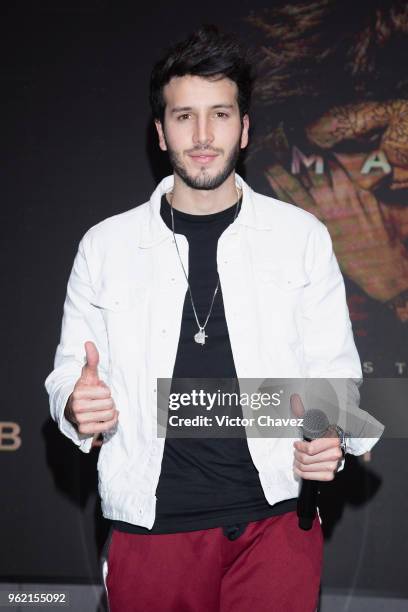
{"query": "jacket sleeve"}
pixel 81 321
pixel 329 343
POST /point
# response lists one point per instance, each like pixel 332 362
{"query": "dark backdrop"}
pixel 80 147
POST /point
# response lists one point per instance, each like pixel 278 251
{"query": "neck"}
pixel 203 201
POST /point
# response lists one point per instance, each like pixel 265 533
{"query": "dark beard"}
pixel 202 181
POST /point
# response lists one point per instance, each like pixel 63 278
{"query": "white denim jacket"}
pixel 285 308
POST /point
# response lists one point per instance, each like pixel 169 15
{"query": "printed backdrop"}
pixel 329 133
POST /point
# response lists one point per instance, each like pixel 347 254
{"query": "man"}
pixel 207 279
pixel 336 145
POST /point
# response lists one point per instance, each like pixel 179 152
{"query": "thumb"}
pixel 89 374
pixel 296 405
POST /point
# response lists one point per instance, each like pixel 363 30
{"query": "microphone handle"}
pixel 307 503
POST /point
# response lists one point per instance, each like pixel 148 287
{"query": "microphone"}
pixel 315 425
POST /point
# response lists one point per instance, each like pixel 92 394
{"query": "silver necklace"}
pixel 200 336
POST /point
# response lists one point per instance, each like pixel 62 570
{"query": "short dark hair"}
pixel 208 53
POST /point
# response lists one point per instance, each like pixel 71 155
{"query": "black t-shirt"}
pixel 205 482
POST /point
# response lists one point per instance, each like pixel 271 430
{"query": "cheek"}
pixel 176 146
pixel 175 137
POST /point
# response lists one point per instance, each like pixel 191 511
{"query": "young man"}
pixel 207 279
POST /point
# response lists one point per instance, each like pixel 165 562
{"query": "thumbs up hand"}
pixel 90 407
pixel 89 374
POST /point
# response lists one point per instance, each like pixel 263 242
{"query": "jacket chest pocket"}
pixel 123 308
pixel 119 297
pixel 117 301
pixel 286 281
pixel 280 294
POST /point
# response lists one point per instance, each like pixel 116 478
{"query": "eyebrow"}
pixel 179 109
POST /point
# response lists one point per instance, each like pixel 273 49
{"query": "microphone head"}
pixel 315 424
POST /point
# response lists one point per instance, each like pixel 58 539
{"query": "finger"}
pixel 95 428
pixel 292 187
pixel 326 466
pixel 102 416
pixel 280 193
pixel 89 375
pixel 323 476
pixel 316 446
pixel 93 405
pixel 347 193
pixel 334 192
pixel 296 405
pixel 374 217
pixel 84 391
pixel 332 454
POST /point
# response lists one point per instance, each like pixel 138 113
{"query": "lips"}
pixel 395 194
pixel 203 159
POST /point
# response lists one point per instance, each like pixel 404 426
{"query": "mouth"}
pixel 392 195
pixel 203 159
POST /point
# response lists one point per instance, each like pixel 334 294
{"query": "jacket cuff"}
pixel 83 441
pixel 341 465
pixel 359 446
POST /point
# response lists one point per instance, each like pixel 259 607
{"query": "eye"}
pixel 182 117
pixel 223 114
pixel 363 143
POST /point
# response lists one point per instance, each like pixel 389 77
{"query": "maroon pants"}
pixel 273 566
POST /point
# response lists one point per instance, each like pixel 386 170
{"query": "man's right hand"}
pixel 90 406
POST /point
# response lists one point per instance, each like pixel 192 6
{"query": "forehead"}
pixel 198 91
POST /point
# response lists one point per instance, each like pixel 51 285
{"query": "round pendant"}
pixel 200 336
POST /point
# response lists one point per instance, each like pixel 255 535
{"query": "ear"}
pixel 245 130
pixel 160 132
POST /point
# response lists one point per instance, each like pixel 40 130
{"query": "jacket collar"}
pixel 155 230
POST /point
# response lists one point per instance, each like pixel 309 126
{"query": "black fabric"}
pixel 232 532
pixel 206 482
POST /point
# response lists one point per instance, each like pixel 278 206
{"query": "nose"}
pixel 202 132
